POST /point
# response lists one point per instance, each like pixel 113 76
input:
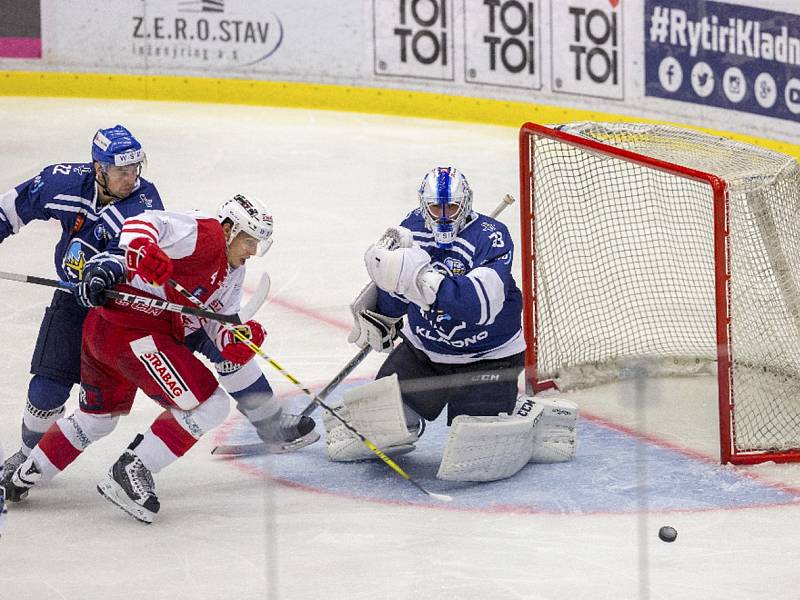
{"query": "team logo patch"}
pixel 74 260
pixel 78 225
pixel 164 373
pixel 455 266
pixel 38 182
pixel 90 398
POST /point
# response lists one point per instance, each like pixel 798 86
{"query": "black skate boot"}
pixel 129 485
pixel 12 464
pixel 22 479
pixel 286 432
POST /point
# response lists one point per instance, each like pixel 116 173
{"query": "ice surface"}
pixel 298 527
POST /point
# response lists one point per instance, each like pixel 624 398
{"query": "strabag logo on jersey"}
pixel 724 55
pixel 413 38
pixel 191 33
pixel 587 48
pixel 164 373
pixel 502 43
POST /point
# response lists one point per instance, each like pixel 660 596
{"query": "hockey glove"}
pixel 396 237
pixel 98 276
pixel 374 330
pixel 405 271
pixel 148 261
pixel 235 350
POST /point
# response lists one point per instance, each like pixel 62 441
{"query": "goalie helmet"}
pixel 116 146
pixel 445 199
pixel 248 215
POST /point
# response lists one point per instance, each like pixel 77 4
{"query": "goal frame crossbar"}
pixel 722 275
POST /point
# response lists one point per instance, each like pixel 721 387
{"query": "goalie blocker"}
pixel 479 448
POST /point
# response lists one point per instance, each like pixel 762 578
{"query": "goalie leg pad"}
pixel 488 448
pixel 376 410
pixel 554 436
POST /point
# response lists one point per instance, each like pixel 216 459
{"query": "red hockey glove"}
pixel 148 261
pixel 237 351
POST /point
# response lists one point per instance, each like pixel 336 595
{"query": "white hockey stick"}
pixel 256 300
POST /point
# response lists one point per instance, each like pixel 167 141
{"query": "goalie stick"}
pixel 133 299
pixel 238 334
pixel 257 448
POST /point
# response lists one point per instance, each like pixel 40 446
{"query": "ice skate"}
pixel 129 485
pixel 22 479
pixel 286 432
pixel 12 464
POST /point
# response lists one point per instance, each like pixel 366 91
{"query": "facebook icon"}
pixel 670 74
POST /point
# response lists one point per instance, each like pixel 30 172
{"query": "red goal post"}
pixel 671 250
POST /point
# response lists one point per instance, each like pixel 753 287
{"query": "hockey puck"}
pixel 667 533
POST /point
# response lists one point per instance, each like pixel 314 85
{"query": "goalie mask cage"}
pixel 655 248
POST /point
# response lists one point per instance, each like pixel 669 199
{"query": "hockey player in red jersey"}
pixel 126 347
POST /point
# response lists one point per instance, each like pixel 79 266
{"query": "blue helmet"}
pixel 445 200
pixel 116 146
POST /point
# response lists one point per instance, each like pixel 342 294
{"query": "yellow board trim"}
pixel 319 97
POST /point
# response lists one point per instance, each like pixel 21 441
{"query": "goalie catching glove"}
pixel 235 349
pixel 404 271
pixel 147 260
pixel 99 275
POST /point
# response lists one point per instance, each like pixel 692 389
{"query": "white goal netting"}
pixel 627 270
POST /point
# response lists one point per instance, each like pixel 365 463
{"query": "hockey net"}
pixel 664 249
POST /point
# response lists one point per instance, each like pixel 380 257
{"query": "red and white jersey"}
pixel 227 300
pixel 196 244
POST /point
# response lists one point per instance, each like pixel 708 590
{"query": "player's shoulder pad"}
pixel 484 227
pixel 414 220
pixel 62 178
pixel 148 195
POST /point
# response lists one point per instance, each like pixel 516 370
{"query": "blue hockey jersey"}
pixel 67 193
pixel 478 309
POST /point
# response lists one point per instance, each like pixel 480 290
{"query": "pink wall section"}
pixel 20 47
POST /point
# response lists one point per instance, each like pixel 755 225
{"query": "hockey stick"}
pixel 506 201
pixel 139 302
pixel 238 334
pixel 256 300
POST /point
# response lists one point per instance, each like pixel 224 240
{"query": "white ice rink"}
pixel 295 527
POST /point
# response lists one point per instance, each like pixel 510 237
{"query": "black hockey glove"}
pixel 98 276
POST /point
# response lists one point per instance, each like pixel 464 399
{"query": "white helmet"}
pixel 250 216
pixel 440 188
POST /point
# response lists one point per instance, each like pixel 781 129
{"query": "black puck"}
pixel 667 533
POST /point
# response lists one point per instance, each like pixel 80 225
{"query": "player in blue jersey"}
pixel 90 201
pixel 447 271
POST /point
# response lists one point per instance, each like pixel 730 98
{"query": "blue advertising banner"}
pixel 717 54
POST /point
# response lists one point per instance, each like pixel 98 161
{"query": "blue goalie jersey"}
pixel 478 310
pixel 67 193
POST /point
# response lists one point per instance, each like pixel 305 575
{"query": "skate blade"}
pixel 111 491
pixel 259 448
